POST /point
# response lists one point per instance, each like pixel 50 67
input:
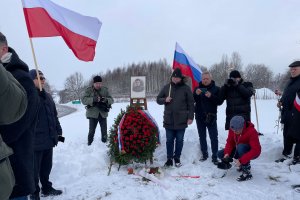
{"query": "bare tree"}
pixel 236 62
pixel 74 86
pixel 259 75
pixel 220 71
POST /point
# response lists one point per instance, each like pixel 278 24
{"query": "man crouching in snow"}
pixel 242 145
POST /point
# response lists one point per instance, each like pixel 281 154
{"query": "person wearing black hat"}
pixel 47 134
pixel 178 100
pixel 242 146
pixel 286 104
pixel 237 94
pixel 98 101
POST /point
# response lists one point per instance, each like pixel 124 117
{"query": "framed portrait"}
pixel 138 87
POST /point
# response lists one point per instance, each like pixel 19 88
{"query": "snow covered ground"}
pixel 81 170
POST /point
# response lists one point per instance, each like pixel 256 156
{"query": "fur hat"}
pixel 237 123
pixel 32 74
pixel 295 64
pixel 177 73
pixel 235 74
pixel 97 79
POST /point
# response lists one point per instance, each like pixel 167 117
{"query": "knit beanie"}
pixel 235 74
pixel 97 79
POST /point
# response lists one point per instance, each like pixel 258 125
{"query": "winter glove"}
pixel 104 100
pixel 61 138
pixel 96 99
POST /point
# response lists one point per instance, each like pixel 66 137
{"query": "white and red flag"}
pixel 47 19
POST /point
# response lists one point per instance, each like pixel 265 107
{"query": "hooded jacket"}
pixel 181 107
pixel 19 135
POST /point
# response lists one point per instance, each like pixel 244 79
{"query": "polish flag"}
pixel 187 66
pixel 47 19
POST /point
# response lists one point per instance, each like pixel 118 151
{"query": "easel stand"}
pixel 139 103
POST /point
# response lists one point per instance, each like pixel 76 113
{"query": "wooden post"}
pixel 36 66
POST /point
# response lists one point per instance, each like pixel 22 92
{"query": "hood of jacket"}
pixel 15 62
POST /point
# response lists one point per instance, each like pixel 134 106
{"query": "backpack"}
pixel 7 178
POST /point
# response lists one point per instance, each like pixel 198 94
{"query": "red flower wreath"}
pixel 133 137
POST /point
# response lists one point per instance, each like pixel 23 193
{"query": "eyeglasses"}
pixel 41 78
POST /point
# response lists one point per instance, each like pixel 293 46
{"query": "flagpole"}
pixel 36 65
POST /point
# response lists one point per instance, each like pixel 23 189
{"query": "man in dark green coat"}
pixel 13 100
pixel 178 100
pixel 13 104
pixel 98 102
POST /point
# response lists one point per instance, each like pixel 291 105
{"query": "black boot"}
pixel 104 138
pixel 169 163
pixel 246 173
pixel 51 192
pixel 296 160
pixel 35 196
pixel 204 157
pixel 177 162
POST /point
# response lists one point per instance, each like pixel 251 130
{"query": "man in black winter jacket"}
pixel 48 133
pixel 178 100
pixel 237 94
pixel 206 97
pixel 286 104
pixel 19 135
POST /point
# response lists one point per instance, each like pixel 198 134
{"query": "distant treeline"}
pixel 158 74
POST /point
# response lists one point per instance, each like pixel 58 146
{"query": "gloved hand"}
pixel 103 99
pixel 61 138
pixel 96 99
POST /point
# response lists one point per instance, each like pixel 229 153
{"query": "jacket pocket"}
pixel 181 117
pixel 168 118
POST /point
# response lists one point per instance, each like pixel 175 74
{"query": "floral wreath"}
pixel 133 137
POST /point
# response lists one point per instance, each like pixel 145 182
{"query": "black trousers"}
pixel 42 169
pixel 288 144
pixel 92 128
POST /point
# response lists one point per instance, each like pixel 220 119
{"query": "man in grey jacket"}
pixel 178 100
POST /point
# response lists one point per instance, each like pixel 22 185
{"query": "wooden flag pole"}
pixel 170 90
pixel 36 65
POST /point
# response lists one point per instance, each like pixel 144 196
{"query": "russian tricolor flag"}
pixel 187 65
pixel 47 19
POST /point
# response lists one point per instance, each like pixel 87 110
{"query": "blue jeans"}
pixel 171 136
pixel 236 153
pixel 20 198
pixel 213 135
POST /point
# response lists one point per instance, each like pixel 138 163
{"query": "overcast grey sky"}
pixel 261 31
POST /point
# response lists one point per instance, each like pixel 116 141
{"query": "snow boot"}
pixel 51 192
pixel 169 163
pixel 215 161
pixel 296 160
pixel 177 162
pixel 246 173
pixel 204 157
pixel 283 158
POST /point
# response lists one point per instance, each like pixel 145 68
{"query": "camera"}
pixel 225 164
pixel 231 81
pixel 227 160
